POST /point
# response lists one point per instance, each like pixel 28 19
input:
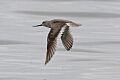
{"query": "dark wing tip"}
pixel 68 49
pixel 46 62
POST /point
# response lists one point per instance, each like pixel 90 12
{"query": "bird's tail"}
pixel 73 24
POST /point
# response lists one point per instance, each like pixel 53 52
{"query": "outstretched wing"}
pixel 51 44
pixel 67 39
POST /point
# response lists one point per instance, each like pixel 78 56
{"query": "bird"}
pixel 56 26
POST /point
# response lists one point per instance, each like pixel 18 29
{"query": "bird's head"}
pixel 44 23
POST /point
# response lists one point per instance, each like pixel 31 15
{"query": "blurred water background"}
pixel 94 56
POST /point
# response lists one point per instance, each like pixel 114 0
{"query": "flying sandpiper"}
pixel 56 26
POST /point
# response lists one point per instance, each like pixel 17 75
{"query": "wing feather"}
pixel 67 38
pixel 51 44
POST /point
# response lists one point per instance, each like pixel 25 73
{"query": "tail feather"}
pixel 73 24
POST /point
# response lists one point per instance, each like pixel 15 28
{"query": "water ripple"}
pixel 72 14
pixel 83 59
pixel 76 0
pixel 82 50
pixel 99 43
pixel 11 42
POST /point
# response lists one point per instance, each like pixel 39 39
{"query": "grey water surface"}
pixel 96 51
